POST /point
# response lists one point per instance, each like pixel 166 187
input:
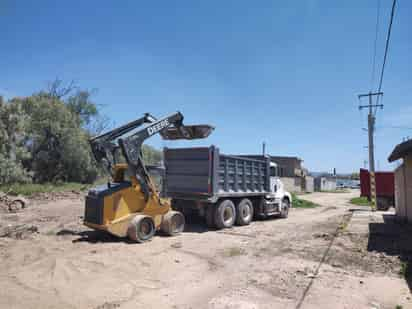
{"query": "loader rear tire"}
pixel 173 223
pixel 225 214
pixel 141 228
pixel 244 212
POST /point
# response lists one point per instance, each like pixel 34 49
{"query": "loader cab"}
pixel 157 175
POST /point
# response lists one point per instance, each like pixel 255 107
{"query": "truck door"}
pixel 274 179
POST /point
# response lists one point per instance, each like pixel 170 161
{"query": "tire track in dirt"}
pixel 345 220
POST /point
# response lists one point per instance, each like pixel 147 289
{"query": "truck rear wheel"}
pixel 244 212
pixel 225 214
pixel 173 223
pixel 141 228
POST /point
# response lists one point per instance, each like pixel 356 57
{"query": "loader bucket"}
pixel 187 132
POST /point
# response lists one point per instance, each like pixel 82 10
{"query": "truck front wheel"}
pixel 244 212
pixel 225 214
pixel 284 210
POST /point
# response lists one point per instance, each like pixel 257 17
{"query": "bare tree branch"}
pixel 56 89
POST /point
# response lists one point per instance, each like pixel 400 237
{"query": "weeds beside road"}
pixel 30 189
pixel 360 201
pixel 298 202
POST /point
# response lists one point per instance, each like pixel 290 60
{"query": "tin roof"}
pixel 401 150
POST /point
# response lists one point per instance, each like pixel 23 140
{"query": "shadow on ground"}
pixel 393 238
pixel 91 236
pixel 195 224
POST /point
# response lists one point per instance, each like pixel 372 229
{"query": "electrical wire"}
pixel 396 127
pixel 386 49
pixel 374 45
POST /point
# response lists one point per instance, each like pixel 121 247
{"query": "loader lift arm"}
pixel 170 127
pixel 103 147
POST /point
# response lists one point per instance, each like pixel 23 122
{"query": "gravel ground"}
pixel 310 260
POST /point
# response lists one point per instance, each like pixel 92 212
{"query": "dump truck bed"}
pixel 205 173
pixel 385 183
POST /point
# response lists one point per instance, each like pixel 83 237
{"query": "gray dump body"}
pixel 204 173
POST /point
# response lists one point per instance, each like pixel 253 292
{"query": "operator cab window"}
pixel 157 175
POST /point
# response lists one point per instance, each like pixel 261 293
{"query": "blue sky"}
pixel 284 72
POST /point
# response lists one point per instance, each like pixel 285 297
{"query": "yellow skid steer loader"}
pixel 130 205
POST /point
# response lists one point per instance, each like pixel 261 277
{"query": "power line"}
pixel 396 127
pixel 386 48
pixel 374 45
pixel 387 45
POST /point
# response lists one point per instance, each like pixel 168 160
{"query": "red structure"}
pixel 385 187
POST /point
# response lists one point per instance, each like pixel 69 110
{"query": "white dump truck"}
pixel 225 189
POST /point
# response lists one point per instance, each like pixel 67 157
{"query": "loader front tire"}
pixel 173 223
pixel 141 229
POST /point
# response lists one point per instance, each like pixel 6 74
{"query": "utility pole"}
pixel 371 127
pixel 264 148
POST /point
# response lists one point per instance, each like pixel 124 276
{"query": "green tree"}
pixel 58 145
pixel 13 143
pixel 44 137
pixel 82 107
pixel 151 155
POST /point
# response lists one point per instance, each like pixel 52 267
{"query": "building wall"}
pixel 288 166
pixel 403 190
pixel 325 184
pixel 309 184
pixel 328 184
pixel 400 193
pixel 408 183
pixel 292 184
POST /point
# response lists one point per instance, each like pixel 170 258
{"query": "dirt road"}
pixel 281 263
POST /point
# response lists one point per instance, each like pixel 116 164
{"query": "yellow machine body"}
pixel 113 206
pixel 132 207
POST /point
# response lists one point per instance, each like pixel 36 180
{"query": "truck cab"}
pixel 278 200
pixel 276 185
